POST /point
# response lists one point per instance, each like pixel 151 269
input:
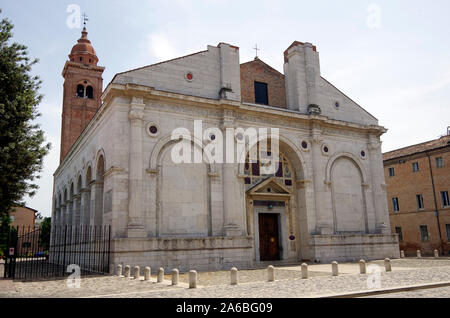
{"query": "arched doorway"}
pixel 275 204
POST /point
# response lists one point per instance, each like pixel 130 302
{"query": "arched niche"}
pixel 183 194
pixel 348 195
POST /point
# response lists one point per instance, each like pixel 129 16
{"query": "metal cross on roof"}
pixel 85 18
pixel 256 49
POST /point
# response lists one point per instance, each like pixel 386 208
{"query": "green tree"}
pixel 44 240
pixel 5 227
pixel 22 147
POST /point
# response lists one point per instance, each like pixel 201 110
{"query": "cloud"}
pixel 160 47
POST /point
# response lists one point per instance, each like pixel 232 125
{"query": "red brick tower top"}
pixel 83 51
pixel 83 86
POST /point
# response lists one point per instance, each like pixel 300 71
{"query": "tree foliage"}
pixel 46 227
pixel 22 143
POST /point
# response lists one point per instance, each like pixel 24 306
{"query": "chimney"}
pixel 302 75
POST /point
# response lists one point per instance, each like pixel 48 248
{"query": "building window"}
pixel 89 92
pixel 395 204
pixel 419 199
pixel 445 200
pixel 424 233
pixel 261 94
pixel 447 227
pixel 80 91
pixel 439 162
pixel 415 166
pixel 391 172
pixel 398 230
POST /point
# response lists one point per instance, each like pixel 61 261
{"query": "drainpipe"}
pixel 436 212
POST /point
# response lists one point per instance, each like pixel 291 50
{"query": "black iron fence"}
pixel 33 254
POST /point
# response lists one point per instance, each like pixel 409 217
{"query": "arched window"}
pixel 89 92
pixel 80 91
pixel 254 170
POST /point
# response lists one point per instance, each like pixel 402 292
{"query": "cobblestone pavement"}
pixel 252 283
pixel 247 276
pixel 425 293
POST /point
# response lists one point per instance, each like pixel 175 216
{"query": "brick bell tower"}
pixel 83 86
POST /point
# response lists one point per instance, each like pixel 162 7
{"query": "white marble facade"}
pixel 204 215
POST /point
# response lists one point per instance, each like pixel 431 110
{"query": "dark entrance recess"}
pixel 269 249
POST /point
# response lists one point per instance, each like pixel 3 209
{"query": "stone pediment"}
pixel 269 186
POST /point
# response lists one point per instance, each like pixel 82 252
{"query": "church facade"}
pixel 325 200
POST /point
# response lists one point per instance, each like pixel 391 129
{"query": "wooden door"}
pixel 269 249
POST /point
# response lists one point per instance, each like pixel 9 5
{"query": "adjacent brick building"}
pixel 418 185
pixel 23 218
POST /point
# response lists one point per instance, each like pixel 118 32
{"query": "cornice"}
pixel 150 93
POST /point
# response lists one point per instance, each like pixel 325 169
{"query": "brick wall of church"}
pixel 260 72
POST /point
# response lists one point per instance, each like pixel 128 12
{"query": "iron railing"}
pixel 33 254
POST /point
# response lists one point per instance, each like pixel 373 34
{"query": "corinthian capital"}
pixel 374 145
pixel 136 111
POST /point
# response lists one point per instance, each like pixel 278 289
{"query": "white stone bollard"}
pixel 270 273
pixel 147 273
pixel 175 277
pixel 192 279
pixel 436 254
pixel 119 270
pixel 419 254
pixel 334 268
pixel 160 275
pixel 387 265
pixel 136 272
pixel 362 267
pixel 127 271
pixel 305 271
pixel 402 254
pixel 234 276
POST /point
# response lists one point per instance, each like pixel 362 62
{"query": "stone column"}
pixel 324 222
pixel 76 210
pixel 92 203
pixel 85 206
pixel 97 198
pixel 135 227
pixel 382 223
pixel 233 207
pixel 62 219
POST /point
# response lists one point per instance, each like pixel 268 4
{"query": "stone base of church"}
pixel 201 254
pixel 353 247
pixel 223 253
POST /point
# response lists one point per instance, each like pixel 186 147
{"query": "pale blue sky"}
pixel 398 70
